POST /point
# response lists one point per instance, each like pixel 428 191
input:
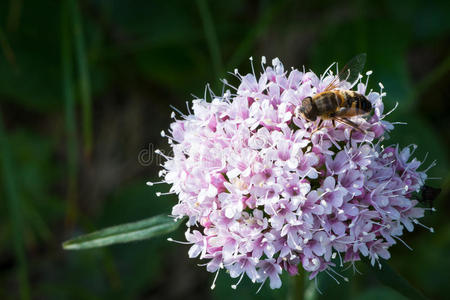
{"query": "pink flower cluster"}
pixel 265 190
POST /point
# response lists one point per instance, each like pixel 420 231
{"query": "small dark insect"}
pixel 429 194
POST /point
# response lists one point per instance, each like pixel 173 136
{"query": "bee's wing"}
pixel 349 123
pixel 349 72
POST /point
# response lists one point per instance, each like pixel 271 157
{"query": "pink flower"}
pixel 269 268
pixel 265 190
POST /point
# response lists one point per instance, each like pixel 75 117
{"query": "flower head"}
pixel 265 190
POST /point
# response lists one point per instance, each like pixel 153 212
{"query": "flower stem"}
pixel 296 287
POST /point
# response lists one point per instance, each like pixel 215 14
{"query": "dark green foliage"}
pixel 123 63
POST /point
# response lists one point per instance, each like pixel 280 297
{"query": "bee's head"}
pixel 308 109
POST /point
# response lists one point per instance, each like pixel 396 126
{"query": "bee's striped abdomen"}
pixel 353 104
pixel 364 104
pixel 336 103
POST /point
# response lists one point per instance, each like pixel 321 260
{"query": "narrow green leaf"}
pixel 14 208
pixel 211 36
pixel 69 101
pixel 84 80
pixel 7 50
pixel 14 15
pixel 394 280
pixel 266 17
pixel 124 233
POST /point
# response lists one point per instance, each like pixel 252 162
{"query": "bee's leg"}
pixel 351 124
pixel 319 126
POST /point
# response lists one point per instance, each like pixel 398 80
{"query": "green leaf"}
pixel 211 36
pixel 70 113
pixel 84 77
pixel 268 15
pixel 15 211
pixel 128 232
pixel 394 280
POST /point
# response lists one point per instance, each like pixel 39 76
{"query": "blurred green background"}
pixel 85 89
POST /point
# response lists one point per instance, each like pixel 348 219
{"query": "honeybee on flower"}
pixel 267 189
pixel 338 104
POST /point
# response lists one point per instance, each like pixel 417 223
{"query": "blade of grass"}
pixel 35 220
pixel 124 233
pixel 84 80
pixel 211 37
pixel 257 30
pixel 361 29
pixel 69 105
pixel 14 208
pixel 7 50
pixel 394 280
pixel 15 11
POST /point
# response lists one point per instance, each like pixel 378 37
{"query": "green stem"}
pixel 211 36
pixel 15 210
pixel 14 14
pixel 257 30
pixel 69 103
pixel 310 289
pixel 297 287
pixel 7 50
pixel 85 86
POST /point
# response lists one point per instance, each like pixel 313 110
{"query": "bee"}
pixel 338 104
